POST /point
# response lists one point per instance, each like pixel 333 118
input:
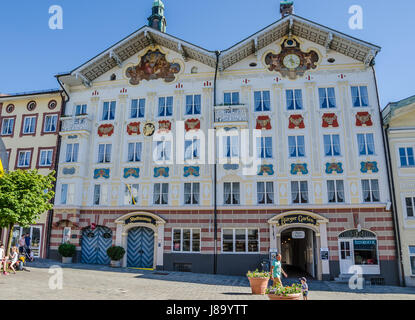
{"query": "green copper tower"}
pixel 157 19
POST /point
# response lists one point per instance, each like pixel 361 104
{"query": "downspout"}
pixel 391 188
pixel 215 208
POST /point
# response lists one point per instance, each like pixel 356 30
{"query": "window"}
pixel 231 193
pixel 265 192
pixel 299 192
pixel 165 106
pixel 137 108
pixel 163 149
pixel 262 101
pixel 67 193
pixel 296 146
pixel 161 193
pixel 410 207
pixel 412 258
pixel 365 252
pixel 193 104
pixel 231 98
pixel 327 98
pixel 80 109
pixel 335 190
pixel 29 125
pixel 24 159
pixel 108 111
pixel 345 250
pixel 191 149
pixel 294 99
pixel 331 145
pixel 50 123
pixel 360 97
pixel 264 147
pixel 366 144
pixel 134 151
pixel 72 152
pixel 240 240
pixel 97 194
pixel 370 190
pixel 231 147
pixel 64 193
pixel 130 193
pixel 104 153
pixel 45 158
pixel 406 156
pixel 191 193
pixel 7 127
pixel 186 240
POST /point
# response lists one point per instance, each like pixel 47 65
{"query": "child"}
pixel 3 260
pixel 304 287
pixel 14 257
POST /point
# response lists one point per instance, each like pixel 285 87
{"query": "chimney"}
pixel 286 8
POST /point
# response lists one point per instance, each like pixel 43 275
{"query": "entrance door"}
pixel 95 243
pixel 346 256
pixel 140 247
pixel 35 233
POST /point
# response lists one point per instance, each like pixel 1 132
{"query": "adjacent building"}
pixel 29 127
pixel 399 126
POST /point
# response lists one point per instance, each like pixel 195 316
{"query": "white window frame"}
pixel 72 157
pixel 360 96
pixel 135 190
pixel 231 193
pixel 94 193
pixel 83 107
pixel 406 156
pixel 300 192
pixel 9 128
pixel 370 191
pixel 135 151
pixel 231 98
pixel 191 194
pixel 32 124
pixel 181 240
pixel 406 207
pixel 25 158
pixel 327 98
pixel 51 157
pixel 410 256
pixel 54 120
pixel 164 115
pixel 330 135
pixel 105 153
pixel 335 191
pixel 262 150
pixel 195 147
pixel 109 110
pixel 193 105
pixel 161 194
pixel 262 100
pixel 266 192
pixel 366 144
pixel 294 100
pixel 138 108
pixel 246 241
pixel 163 145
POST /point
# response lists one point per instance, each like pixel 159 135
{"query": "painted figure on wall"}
pixel 153 65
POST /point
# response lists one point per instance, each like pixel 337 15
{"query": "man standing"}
pixel 22 243
pixel 276 270
pixel 27 240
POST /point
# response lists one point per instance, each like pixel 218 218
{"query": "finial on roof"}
pixel 286 8
pixel 157 19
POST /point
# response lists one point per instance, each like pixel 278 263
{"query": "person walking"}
pixel 22 243
pixel 276 270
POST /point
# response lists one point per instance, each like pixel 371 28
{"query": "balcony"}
pixel 76 124
pixel 233 113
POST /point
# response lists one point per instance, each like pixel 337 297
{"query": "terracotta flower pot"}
pixel 258 285
pixel 66 260
pixel 115 263
pixel 295 296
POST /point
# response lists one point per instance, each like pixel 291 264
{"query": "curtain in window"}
pixel 141 108
pixel 364 96
pixel 322 98
pixel 21 159
pixel 366 190
pixel 52 126
pixel 127 195
pixel 43 158
pixel 410 152
pixel 188 149
pixel 167 150
pixel 268 147
pixel 375 190
pixel 370 144
pixel 235 146
pixel 48 122
pixel 340 190
pixel 227 193
pixel 261 192
pixel 162 104
pixel 196 193
pixel 97 194
pixel 227 147
pixel 159 150
pixel 336 145
pixel 258 101
pixel 304 192
pixel 101 152
pixel 75 152
pixel 355 97
pixel 235 97
pixel 330 191
pixel 69 153
pixel 270 192
pixel 266 101
pixel 64 190
pixel 112 110
pixel 189 104
pixel 331 97
pixel 169 106
pixel 327 145
pixel 156 194
pixel 298 99
pixel 196 148
pixel 295 192
pixel 27 122
pixel 301 146
pixel 131 152
pixel 105 111
pixel 290 99
pixel 235 192
pixel 133 113
pixel 108 153
pixel 259 148
pixel 198 103
pixel 361 144
pixel 165 193
pixel 292 146
pixel 138 147
pixel 187 193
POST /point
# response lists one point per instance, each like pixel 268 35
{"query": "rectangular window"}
pixel 365 252
pixel 131 194
pixel 231 147
pixel 134 152
pixel 7 126
pixel 80 109
pixel 45 158
pixel 186 240
pixel 191 149
pixel 370 190
pixel 265 192
pixel 262 101
pixel 97 194
pixel 231 98
pixel 108 111
pixel 51 122
pixel 294 99
pixel 64 193
pixel 68 193
pixel 331 145
pixel 165 107
pixel 296 146
pixel 104 153
pixel 161 193
pixel 29 125
pixel 360 97
pixel 24 159
pixel 137 108
pixel 72 152
pixel 327 98
pixel 410 207
pixel 231 193
pixel 163 149
pixel 335 191
pixel 264 147
pixel 412 258
pixel 240 240
pixel 191 193
pixel 366 144
pixel 299 192
pixel 193 104
pixel 406 156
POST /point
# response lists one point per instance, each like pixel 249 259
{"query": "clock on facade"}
pixel 291 61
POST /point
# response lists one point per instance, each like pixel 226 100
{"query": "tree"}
pixel 24 196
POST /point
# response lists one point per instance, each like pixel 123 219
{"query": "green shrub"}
pixel 116 253
pixel 67 250
pixel 257 274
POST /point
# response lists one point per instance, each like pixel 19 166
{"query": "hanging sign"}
pixel 298 234
pixel 296 218
pixel 140 219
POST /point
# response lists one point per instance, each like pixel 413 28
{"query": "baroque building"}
pixel 138 167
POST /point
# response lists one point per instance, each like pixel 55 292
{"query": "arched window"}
pixel 362 245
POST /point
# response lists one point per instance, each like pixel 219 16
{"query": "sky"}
pixel 31 53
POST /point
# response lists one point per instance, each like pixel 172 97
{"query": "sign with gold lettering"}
pixel 139 219
pixel 296 218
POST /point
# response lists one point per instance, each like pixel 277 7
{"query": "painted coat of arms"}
pixel 153 65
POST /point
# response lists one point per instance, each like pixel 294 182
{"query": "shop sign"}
pixel 298 234
pixel 324 253
pixel 364 244
pixel 296 218
pixel 140 219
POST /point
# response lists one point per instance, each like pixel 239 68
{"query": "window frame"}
pixel 246 241
pixel 327 100
pixel 262 109
pixel 232 194
pixel 16 166
pixel 105 153
pixel 407 157
pixel 191 194
pixel 294 100
pixel 231 93
pixel 359 86
pixel 48 114
pixel 411 255
pixel 164 115
pixel 134 151
pixel 11 135
pixel 136 198
pixel 299 184
pixel 193 105
pixel 370 191
pixel 138 108
pixel 296 147
pixel 266 192
pixel 109 110
pixel 161 193
pixel 39 157
pixel 366 154
pixel 22 127
pixel 181 240
pixel 336 192
pixel 332 155
pixel 412 199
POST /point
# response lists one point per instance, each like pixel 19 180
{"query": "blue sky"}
pixel 31 53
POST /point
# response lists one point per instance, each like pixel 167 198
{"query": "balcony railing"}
pixel 234 113
pixel 79 123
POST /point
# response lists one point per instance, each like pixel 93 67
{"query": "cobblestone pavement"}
pixel 101 282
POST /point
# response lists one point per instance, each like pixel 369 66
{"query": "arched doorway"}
pixel 140 247
pixel 94 245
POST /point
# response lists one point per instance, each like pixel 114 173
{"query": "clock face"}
pixel 291 61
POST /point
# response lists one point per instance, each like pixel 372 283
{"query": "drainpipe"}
pixel 391 188
pixel 215 210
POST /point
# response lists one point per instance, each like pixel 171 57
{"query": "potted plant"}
pixel 67 251
pixel 116 253
pixel 258 281
pixel 280 292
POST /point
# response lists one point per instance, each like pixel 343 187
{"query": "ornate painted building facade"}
pixel 317 192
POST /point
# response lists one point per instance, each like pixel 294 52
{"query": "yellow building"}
pixel 29 126
pixel 399 125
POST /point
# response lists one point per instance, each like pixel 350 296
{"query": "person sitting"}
pixel 14 257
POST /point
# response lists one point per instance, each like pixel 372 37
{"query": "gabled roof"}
pixel 22 95
pixel 390 109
